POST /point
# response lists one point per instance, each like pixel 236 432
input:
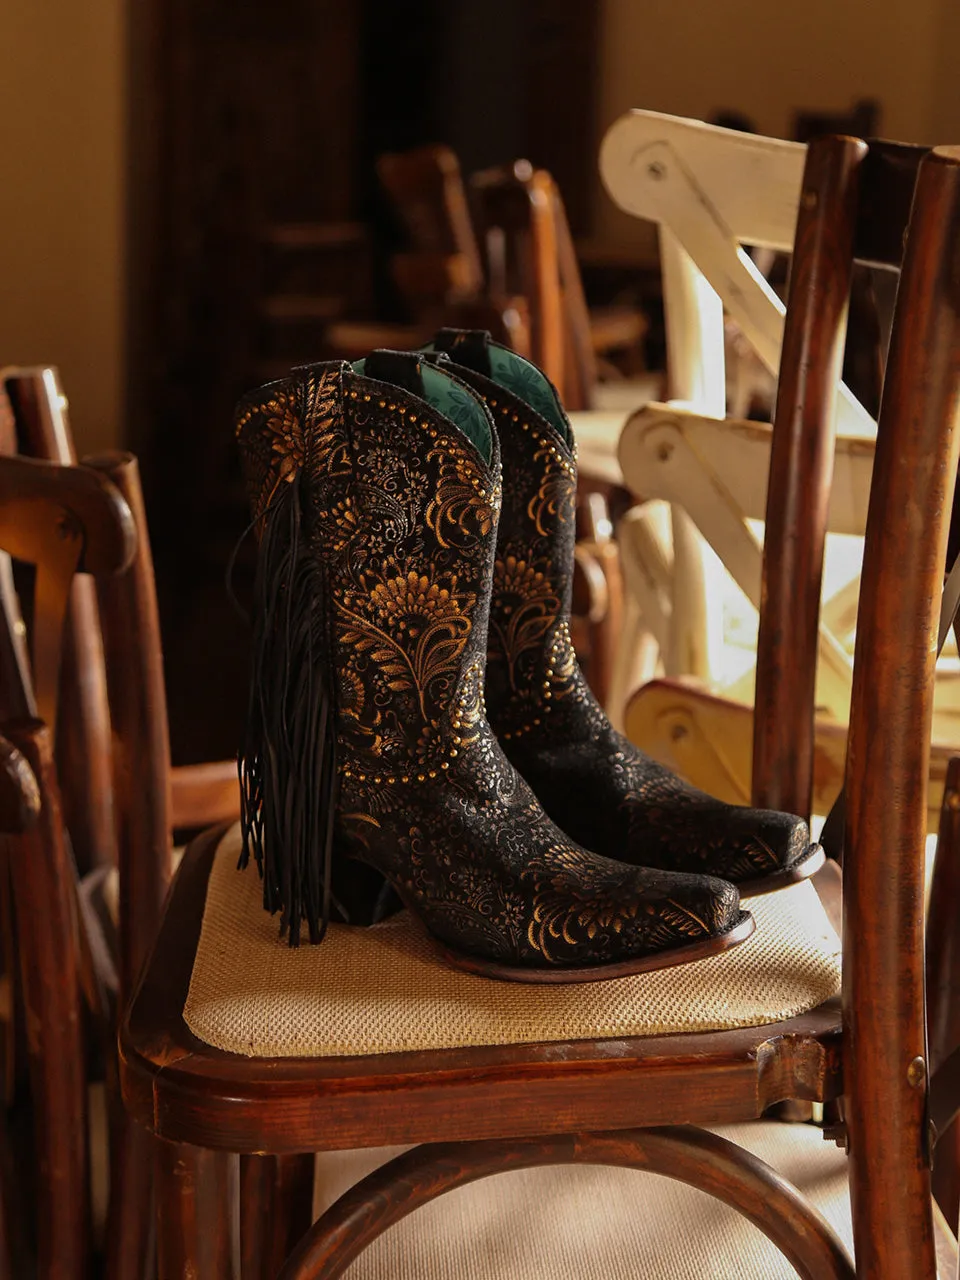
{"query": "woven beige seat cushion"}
pixel 592 1222
pixel 386 989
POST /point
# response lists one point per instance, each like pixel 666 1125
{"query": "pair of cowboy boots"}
pixel 418 725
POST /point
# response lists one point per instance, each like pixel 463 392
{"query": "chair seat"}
pixel 494 1090
pixel 600 1223
pixel 386 989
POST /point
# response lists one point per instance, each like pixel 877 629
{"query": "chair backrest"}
pixel 38 426
pixel 66 520
pixel 580 362
pixel 61 520
pixel 529 254
pixel 89 519
pixel 711 191
pixel 517 226
pixel 863 202
pixel 855 206
pixel 442 264
pixel 885 1057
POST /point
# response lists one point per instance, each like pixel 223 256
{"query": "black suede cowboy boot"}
pixel 376 491
pixel 604 792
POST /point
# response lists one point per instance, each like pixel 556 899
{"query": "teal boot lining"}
pixel 521 377
pixel 455 402
pixel 526 382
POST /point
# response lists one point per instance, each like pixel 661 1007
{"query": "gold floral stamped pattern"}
pixel 413 629
pixel 525 609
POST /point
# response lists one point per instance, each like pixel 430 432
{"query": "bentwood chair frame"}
pixel 93 674
pixel 62 520
pixel 503 1107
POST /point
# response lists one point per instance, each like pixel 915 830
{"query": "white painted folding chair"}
pixel 703 186
pixel 712 191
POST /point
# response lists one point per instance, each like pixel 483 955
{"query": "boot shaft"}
pixel 397 522
pixel 376 515
pixel 532 663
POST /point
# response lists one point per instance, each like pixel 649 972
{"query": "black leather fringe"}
pixel 288 762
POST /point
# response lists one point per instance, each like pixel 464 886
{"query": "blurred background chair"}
pixel 531 265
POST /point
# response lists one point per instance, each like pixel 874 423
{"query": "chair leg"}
pixel 194 1213
pixel 130 1243
pixel 43 880
pixel 276 1210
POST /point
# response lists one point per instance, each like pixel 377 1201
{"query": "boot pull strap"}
pixel 469 347
pixel 401 368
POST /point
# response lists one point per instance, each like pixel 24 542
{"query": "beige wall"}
pixel 61 201
pixel 767 58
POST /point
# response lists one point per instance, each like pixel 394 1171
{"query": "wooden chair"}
pixel 442 265
pixel 65 518
pixel 531 268
pixel 59 519
pixel 37 425
pixel 438 275
pixel 496 1107
pixel 311 278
